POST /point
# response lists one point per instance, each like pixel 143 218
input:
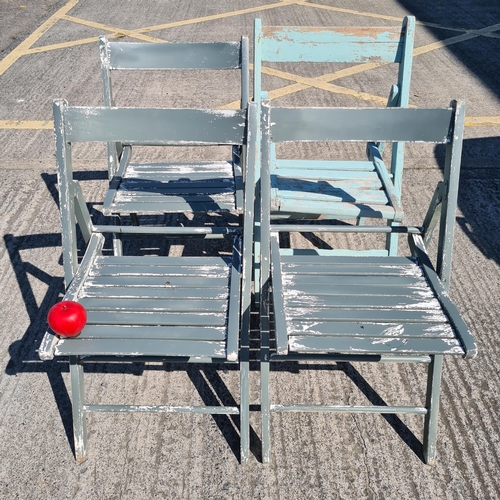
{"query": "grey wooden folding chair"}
pixel 340 189
pixel 359 307
pixel 173 186
pixel 152 308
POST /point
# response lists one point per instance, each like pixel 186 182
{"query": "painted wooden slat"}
pixel 339 261
pixel 327 186
pixel 406 302
pixel 167 205
pixel 155 126
pixel 324 285
pixel 216 55
pixel 396 345
pixel 371 315
pixel 104 267
pixel 358 168
pixel 180 262
pixel 176 305
pixel 360 124
pixel 303 191
pixel 211 410
pixel 156 281
pixel 178 186
pixel 334 251
pixel 154 318
pixel 192 333
pixel 139 347
pixel 162 208
pixel 197 170
pixel 157 293
pixel 282 44
pixel 383 409
pixel 160 270
pixel 350 269
pixel 365 329
pixel 338 210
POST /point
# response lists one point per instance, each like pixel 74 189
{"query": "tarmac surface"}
pixel 49 50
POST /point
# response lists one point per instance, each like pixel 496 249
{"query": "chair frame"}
pixel 340 124
pixel 341 45
pixel 149 127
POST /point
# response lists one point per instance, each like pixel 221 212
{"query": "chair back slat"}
pixel 368 124
pixel 335 45
pixel 155 126
pixel 157 56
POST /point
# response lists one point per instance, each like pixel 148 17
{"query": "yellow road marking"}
pixel 124 32
pixel 482 121
pixel 213 17
pixel 349 11
pixel 63 45
pixel 26 44
pixel 26 124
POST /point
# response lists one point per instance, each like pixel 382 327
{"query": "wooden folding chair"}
pixel 362 307
pixel 341 189
pixel 173 186
pixel 152 308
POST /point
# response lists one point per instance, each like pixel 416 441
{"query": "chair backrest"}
pixel 440 125
pixel 129 126
pixel 117 56
pixel 341 45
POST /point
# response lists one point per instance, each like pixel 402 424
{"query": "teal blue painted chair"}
pixel 174 186
pixel 341 189
pixel 361 307
pixel 152 308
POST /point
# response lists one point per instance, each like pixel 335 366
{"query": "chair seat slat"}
pixel 140 347
pixel 193 306
pixel 375 330
pixel 192 333
pixel 382 345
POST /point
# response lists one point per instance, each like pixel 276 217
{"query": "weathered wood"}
pixel 361 124
pixel 356 307
pixel 122 198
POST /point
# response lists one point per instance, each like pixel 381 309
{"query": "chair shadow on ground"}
pixel 479 193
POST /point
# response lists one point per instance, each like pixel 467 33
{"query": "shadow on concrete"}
pixel 479 193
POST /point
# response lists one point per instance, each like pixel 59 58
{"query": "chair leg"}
pixel 392 241
pixel 265 410
pixel 117 240
pixel 432 405
pixel 245 394
pixel 78 399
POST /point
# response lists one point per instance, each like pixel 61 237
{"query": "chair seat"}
pixel 154 306
pixel 352 189
pixel 361 305
pixel 160 188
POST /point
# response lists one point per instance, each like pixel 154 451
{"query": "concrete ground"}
pixel 49 50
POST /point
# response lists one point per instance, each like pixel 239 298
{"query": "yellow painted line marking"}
pixel 453 40
pixel 349 11
pixel 26 125
pixel 21 49
pixel 482 121
pixel 139 33
pixel 214 17
pixel 63 45
pixel 124 32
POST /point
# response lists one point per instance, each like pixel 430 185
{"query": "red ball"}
pixel 67 318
